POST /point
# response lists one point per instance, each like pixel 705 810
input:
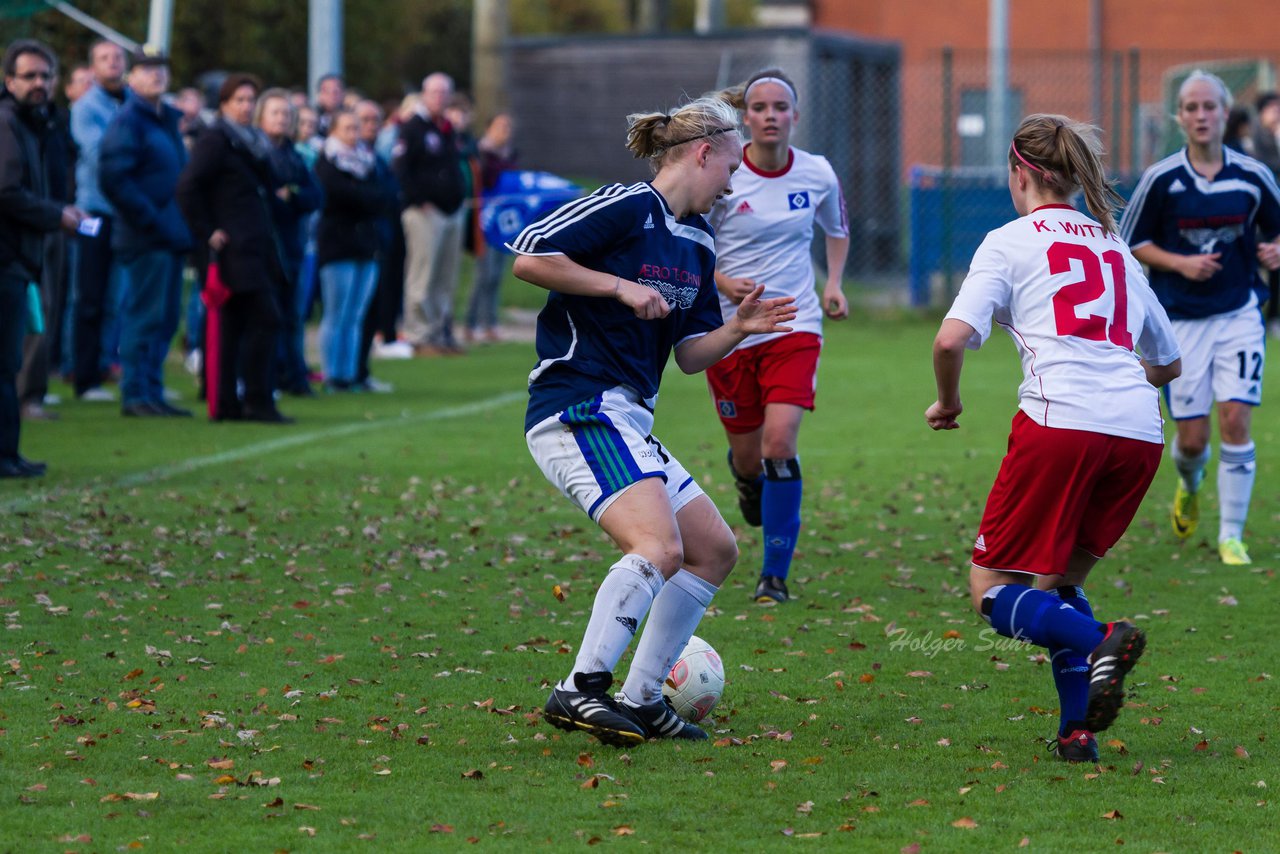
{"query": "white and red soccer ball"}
pixel 696 681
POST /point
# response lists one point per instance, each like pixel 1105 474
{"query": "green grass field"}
pixel 339 635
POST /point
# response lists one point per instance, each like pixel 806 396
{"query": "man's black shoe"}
pixel 18 467
pixel 172 411
pixel 142 409
pixel 266 416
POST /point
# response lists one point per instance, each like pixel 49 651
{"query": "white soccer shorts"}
pixel 1222 359
pixel 594 451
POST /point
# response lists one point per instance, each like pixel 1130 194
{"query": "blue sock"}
pixel 780 514
pixel 1018 611
pixel 1071 670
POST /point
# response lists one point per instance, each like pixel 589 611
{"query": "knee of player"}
pixel 668 557
pixel 977 592
pixel 779 445
pixel 1235 422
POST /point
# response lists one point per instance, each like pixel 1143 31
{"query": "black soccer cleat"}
pixel 590 709
pixel 659 720
pixel 771 590
pixel 1110 662
pixel 1079 746
pixel 750 491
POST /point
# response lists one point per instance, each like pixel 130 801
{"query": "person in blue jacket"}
pixel 140 159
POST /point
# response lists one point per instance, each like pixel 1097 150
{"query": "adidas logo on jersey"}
pixel 648 223
pixel 745 207
pixel 980 544
pixel 1177 186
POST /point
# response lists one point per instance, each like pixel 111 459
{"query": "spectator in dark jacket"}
pixel 429 167
pixel 496 155
pixel 140 159
pixel 346 246
pixel 30 165
pixel 388 296
pixel 96 287
pixel 297 195
pixel 225 192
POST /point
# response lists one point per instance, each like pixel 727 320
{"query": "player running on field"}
pixel 1194 220
pixel 763 237
pixel 1087 439
pixel 630 273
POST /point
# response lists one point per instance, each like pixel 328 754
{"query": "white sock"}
pixel 675 614
pixel 621 602
pixel 1237 466
pixel 1191 469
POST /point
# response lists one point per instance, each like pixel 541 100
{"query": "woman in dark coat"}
pixel 296 196
pixel 224 193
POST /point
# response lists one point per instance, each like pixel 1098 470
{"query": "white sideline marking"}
pixel 154 475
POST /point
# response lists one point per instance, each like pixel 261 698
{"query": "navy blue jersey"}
pixel 589 344
pixel 1181 211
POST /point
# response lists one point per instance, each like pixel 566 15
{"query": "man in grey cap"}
pixel 141 156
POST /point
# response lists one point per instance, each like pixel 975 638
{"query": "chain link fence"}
pixel 955 146
pixel 914 141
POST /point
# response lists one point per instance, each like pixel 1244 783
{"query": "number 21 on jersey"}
pixel 1094 327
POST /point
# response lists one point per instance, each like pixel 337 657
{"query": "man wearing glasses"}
pixel 32 180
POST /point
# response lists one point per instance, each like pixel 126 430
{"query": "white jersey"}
pixel 765 228
pixel 1077 304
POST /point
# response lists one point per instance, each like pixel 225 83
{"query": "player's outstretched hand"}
pixel 1200 268
pixel 1269 255
pixel 647 303
pixel 942 417
pixel 756 316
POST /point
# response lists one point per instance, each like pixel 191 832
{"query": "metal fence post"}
pixel 1117 108
pixel 1135 114
pixel 948 161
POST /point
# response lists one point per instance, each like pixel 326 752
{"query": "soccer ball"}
pixel 696 681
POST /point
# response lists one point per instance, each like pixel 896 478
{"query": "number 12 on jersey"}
pixel 1094 327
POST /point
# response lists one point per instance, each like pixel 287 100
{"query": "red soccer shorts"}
pixel 1059 490
pixel 782 370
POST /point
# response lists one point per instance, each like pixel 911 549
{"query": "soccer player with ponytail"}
pixel 630 273
pixel 763 238
pixel 1087 439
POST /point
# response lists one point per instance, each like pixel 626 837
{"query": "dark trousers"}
pixel 13 326
pixel 39 351
pixel 92 284
pixel 149 320
pixel 250 323
pixel 291 359
pixel 388 299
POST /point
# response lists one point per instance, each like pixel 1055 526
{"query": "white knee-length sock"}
pixel 1237 466
pixel 623 599
pixel 1191 469
pixel 675 614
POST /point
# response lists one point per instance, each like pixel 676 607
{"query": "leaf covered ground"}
pixel 340 634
